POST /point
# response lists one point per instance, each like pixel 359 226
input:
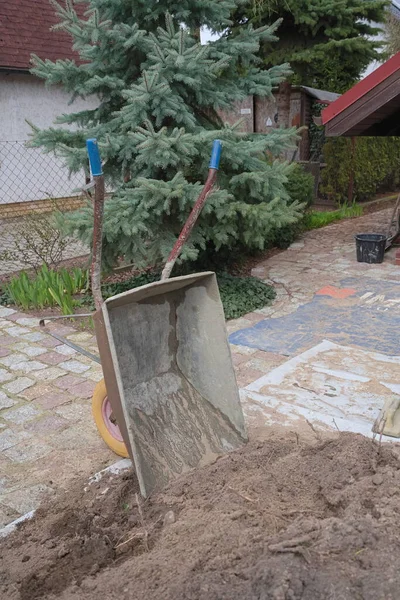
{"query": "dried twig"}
pixel 317 433
pixel 243 495
pixel 295 545
pixel 142 535
pixel 139 534
pixel 297 550
pixel 378 428
pixel 336 425
pixel 380 440
pixel 294 542
pixel 146 533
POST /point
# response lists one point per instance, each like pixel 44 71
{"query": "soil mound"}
pixel 276 520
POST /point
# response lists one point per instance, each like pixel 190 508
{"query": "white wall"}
pixel 23 96
pixel 29 174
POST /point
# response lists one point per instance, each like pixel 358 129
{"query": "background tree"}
pixel 160 93
pixel 392 33
pixel 327 42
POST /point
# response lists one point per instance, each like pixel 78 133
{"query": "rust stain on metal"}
pixel 190 222
pixel 95 267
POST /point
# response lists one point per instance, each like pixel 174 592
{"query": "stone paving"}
pixel 330 311
pixel 47 434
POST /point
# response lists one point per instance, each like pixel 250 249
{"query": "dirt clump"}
pixel 277 520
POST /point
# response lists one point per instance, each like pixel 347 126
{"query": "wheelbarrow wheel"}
pixel 106 423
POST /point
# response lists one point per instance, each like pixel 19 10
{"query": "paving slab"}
pixel 5 401
pixel 46 427
pixel 21 415
pixel 330 385
pixel 18 385
pixel 335 325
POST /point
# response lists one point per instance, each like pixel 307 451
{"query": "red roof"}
pixel 25 30
pixel 361 89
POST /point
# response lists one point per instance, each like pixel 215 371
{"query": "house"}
pixel 289 106
pixel 370 108
pixel 29 174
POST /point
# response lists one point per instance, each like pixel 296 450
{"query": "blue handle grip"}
pixel 94 157
pixel 215 154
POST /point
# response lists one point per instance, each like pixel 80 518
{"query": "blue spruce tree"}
pixel 160 93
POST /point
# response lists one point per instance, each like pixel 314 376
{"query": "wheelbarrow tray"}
pixel 169 376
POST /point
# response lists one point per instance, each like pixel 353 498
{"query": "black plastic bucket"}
pixel 370 247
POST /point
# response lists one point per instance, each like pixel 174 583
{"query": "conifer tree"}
pixel 160 93
pixel 328 43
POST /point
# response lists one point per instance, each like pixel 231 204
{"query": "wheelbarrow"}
pixel 169 397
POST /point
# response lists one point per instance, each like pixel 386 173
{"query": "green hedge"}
pixel 300 186
pixel 376 167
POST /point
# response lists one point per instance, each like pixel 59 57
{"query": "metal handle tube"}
pixel 196 210
pixel 98 212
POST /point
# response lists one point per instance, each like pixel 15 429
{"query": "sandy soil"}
pixel 277 520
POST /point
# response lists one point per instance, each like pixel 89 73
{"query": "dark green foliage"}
pixel 285 236
pixel 314 220
pixel 160 95
pixel 239 295
pixel 316 133
pixel 111 289
pixel 5 296
pixel 300 187
pixel 327 43
pixel 376 166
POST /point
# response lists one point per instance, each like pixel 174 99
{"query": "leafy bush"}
pixel 300 187
pixel 376 164
pixel 285 236
pixel 36 240
pixel 239 295
pixel 316 133
pixel 47 288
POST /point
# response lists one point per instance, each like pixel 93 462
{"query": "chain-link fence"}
pixel 31 183
pixel 28 174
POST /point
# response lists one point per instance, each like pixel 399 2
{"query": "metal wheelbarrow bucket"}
pixel 168 372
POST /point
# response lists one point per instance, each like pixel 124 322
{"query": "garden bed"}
pixel 43 295
pixel 277 520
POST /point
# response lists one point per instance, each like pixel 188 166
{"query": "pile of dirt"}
pixel 278 520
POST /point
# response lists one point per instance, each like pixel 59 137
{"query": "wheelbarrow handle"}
pixel 98 211
pixel 94 157
pixel 215 155
pixel 196 210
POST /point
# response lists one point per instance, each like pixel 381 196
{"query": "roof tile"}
pixel 25 30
